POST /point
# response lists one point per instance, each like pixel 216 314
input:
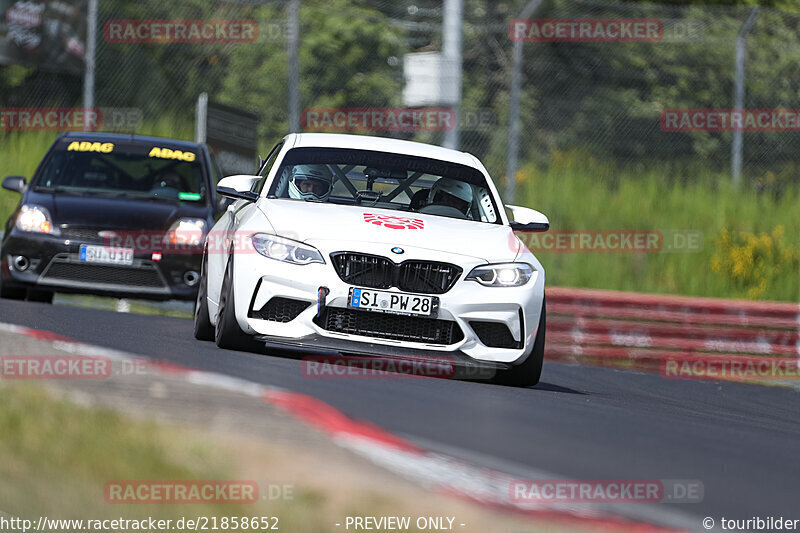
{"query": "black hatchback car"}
pixel 114 215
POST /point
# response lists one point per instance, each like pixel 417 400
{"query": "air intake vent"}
pixel 494 334
pixel 89 273
pixel 281 309
pixel 389 326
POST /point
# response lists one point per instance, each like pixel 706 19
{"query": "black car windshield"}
pixel 387 181
pixel 140 170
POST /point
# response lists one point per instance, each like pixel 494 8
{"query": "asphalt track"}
pixel 741 441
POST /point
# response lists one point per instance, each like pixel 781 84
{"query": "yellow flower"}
pixel 752 262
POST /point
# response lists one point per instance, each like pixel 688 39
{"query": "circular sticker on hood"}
pixel 393 222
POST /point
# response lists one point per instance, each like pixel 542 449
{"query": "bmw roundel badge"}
pixel 397 250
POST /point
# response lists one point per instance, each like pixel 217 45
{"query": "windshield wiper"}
pixel 106 194
pixel 60 190
pixel 153 197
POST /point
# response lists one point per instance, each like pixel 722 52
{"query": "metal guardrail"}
pixel 643 329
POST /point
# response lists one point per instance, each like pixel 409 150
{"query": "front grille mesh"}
pixel 429 277
pixel 114 275
pixel 281 309
pixel 390 326
pixel 81 234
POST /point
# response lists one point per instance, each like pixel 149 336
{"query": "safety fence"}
pixel 654 101
pixel 643 330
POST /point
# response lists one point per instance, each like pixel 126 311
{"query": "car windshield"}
pixel 136 170
pixel 385 180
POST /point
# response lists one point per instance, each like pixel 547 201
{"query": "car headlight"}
pixel 502 275
pixel 187 232
pixel 285 250
pixel 35 219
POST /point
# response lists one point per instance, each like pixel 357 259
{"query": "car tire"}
pixel 528 373
pixel 11 293
pixel 227 333
pixel 38 295
pixel 203 329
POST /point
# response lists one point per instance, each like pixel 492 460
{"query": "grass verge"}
pixel 749 244
pixel 56 458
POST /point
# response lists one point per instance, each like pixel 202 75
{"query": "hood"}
pixel 314 222
pixel 113 213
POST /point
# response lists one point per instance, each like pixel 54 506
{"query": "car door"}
pixel 226 236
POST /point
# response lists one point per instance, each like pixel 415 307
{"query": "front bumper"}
pixel 54 264
pixel 259 280
pixel 452 365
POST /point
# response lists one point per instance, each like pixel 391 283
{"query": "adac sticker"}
pixel 393 222
pixel 166 153
pixel 85 146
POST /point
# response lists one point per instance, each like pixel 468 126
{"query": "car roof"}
pixel 379 144
pixel 126 137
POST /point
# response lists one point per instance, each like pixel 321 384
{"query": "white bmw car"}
pixel 377 247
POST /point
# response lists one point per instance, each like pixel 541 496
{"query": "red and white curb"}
pixel 434 470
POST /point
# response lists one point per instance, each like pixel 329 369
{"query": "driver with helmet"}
pixel 451 193
pixel 310 182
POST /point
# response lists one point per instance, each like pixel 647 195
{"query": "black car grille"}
pixel 494 334
pixel 378 272
pixel 281 309
pixel 389 326
pixel 84 273
pixel 427 277
pixel 81 234
pixel 364 270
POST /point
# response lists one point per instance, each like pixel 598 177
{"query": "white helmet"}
pixel 454 193
pixel 310 182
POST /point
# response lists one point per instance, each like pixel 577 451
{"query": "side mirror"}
pixel 526 219
pixel 14 183
pixel 222 203
pixel 239 187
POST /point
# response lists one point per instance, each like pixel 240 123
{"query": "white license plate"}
pixel 105 254
pixel 393 302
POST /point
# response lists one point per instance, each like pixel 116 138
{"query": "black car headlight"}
pixel 35 219
pixel 502 275
pixel 285 250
